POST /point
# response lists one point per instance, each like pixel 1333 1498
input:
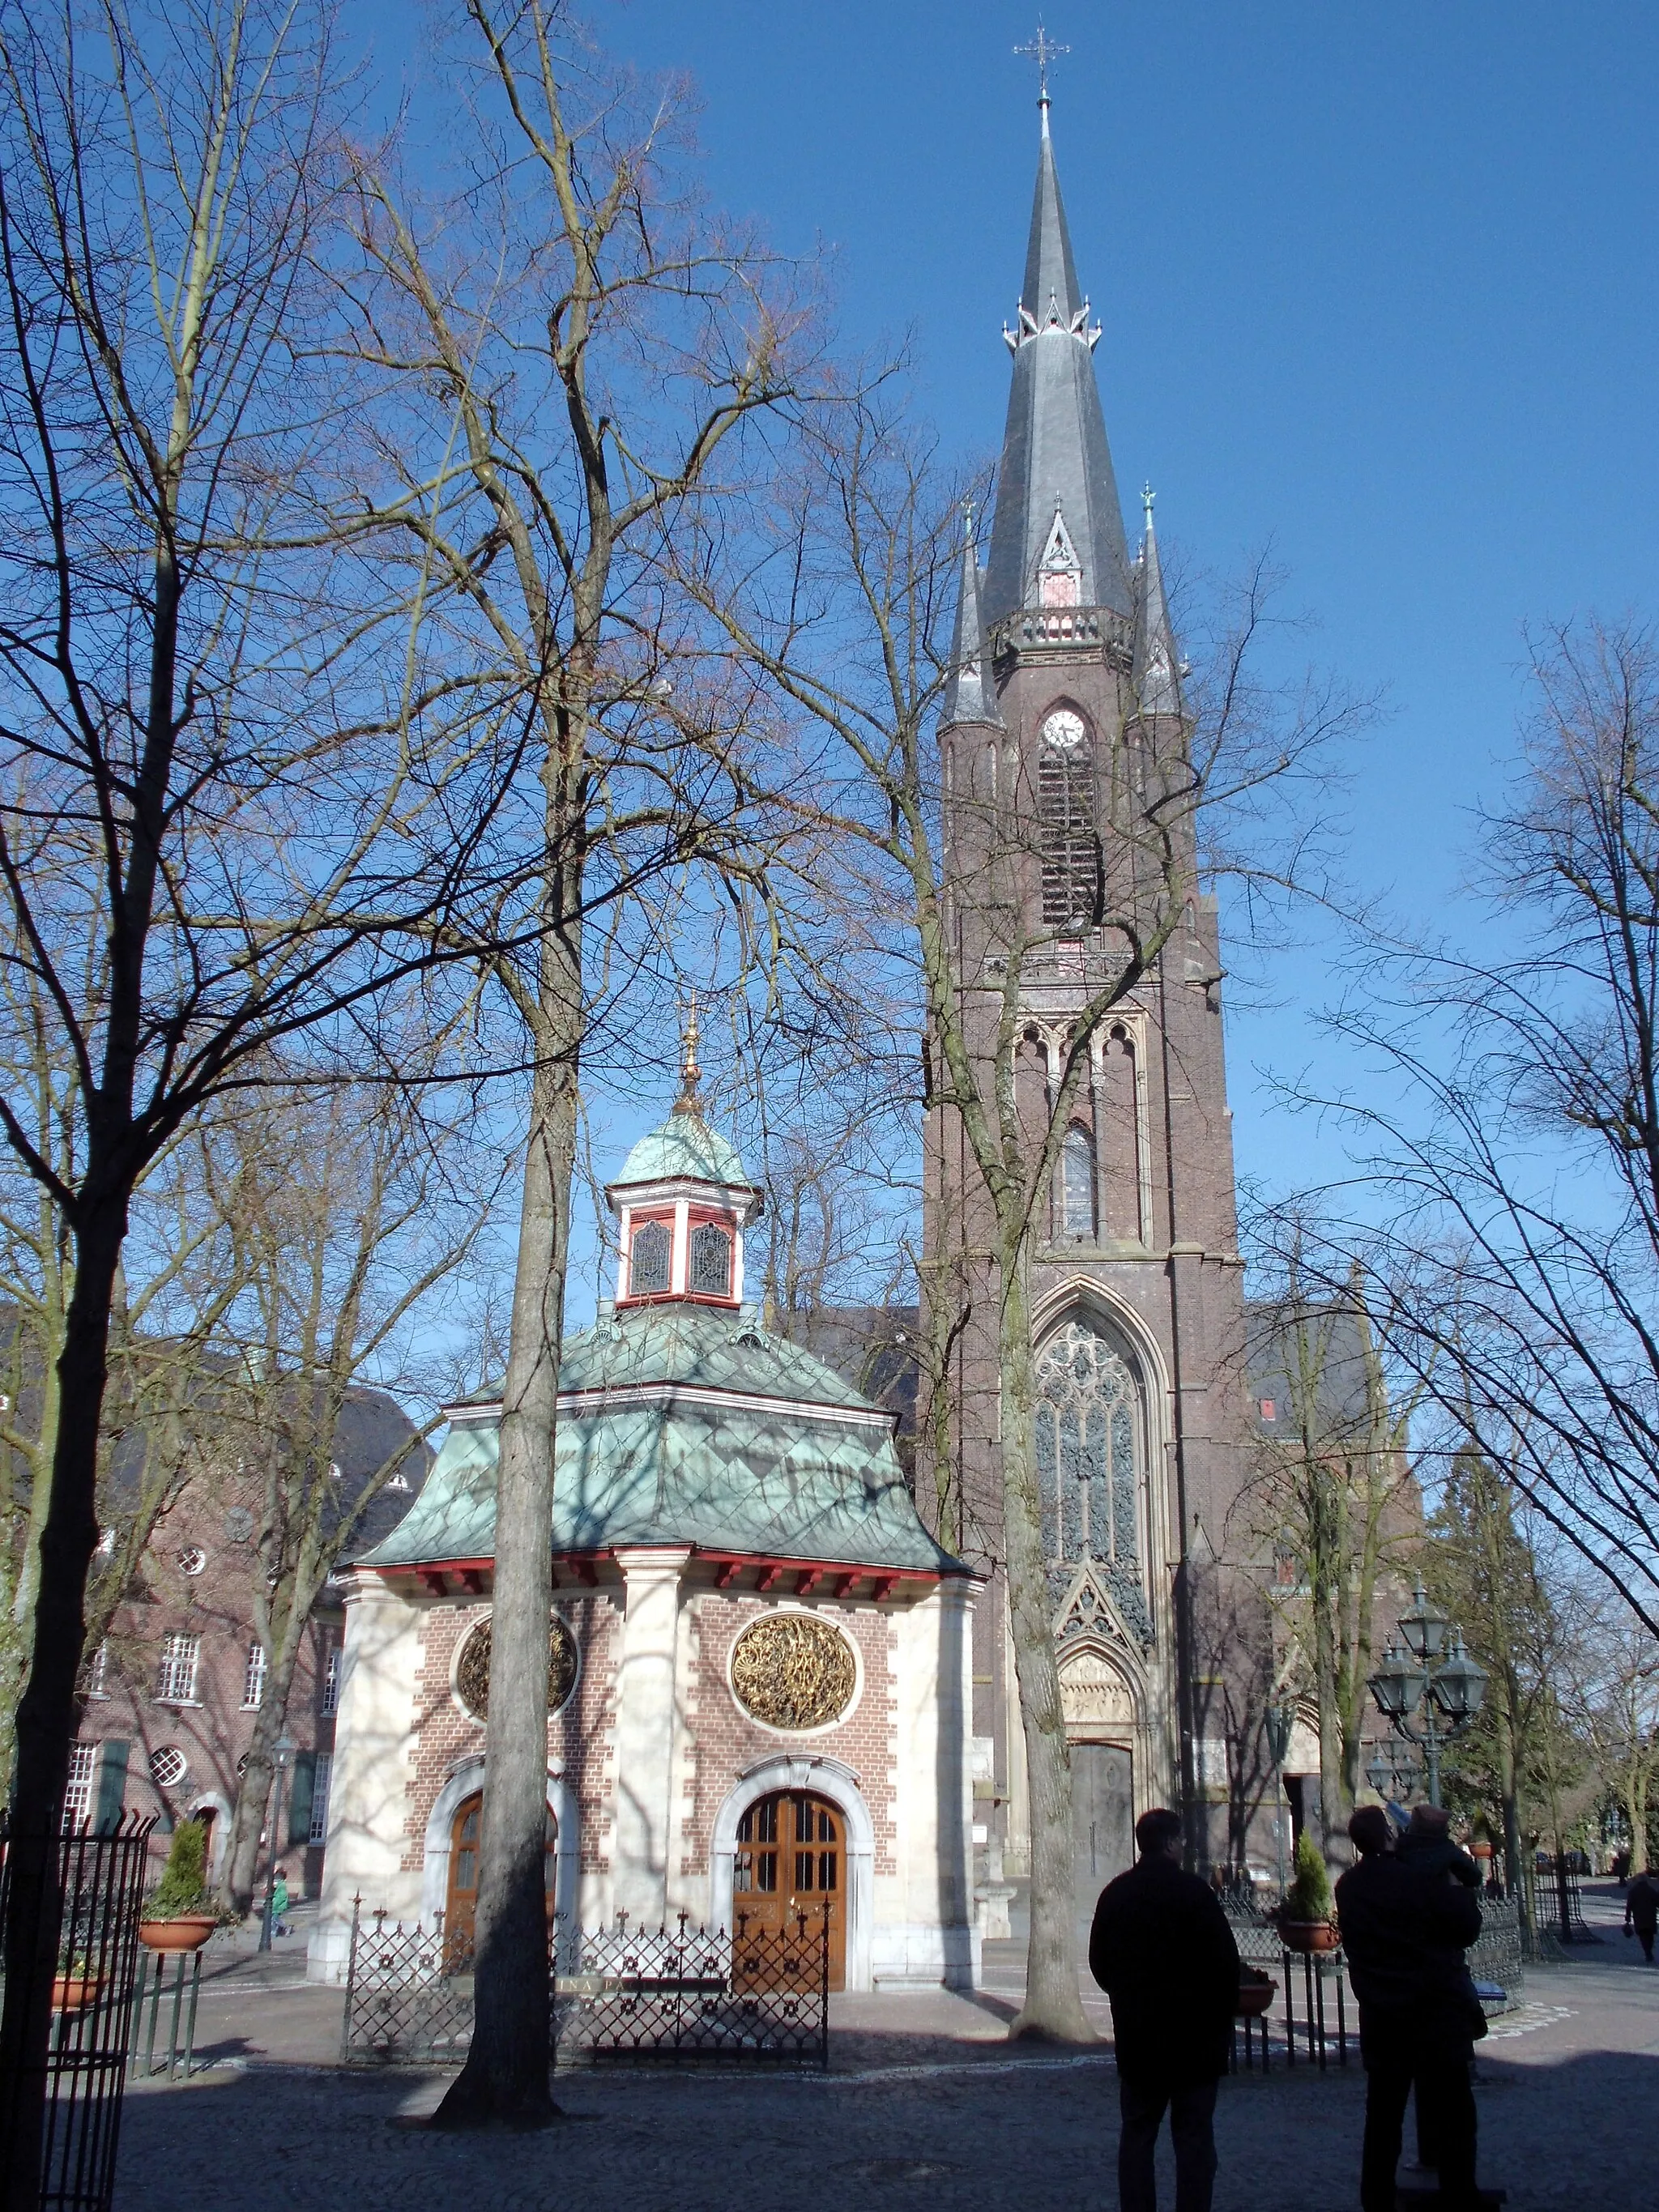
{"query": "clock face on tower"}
pixel 1063 730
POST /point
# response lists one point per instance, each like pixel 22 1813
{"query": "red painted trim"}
pixel 808 1581
pixel 768 1576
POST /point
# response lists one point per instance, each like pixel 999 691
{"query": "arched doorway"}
pixel 791 1858
pixel 461 1899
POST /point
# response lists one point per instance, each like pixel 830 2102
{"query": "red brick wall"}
pixel 726 1740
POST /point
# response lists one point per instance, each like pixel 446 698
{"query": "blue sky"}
pixel 1378 285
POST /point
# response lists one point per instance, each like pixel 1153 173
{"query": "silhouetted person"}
pixel 1162 1950
pixel 1642 1909
pixel 1405 1928
pixel 1427 1845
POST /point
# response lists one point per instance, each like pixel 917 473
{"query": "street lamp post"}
pixel 1432 1671
pixel 1279 1721
pixel 283 1752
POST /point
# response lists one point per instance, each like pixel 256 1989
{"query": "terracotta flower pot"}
pixel 1480 1850
pixel 1308 1935
pixel 1254 1999
pixel 74 1992
pixel 187 1933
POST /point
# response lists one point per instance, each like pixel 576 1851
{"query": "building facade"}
pixel 1063 745
pixel 759 1659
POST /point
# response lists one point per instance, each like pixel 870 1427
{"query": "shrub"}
pixel 1309 1897
pixel 183 1887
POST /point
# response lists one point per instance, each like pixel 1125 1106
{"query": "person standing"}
pixel 1405 1930
pixel 1162 1950
pixel 1642 1909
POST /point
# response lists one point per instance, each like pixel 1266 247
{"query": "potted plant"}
pixel 179 1914
pixel 75 1986
pixel 1257 1991
pixel 1305 1918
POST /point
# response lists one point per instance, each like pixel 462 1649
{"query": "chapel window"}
pixel 711 1261
pixel 1078 1184
pixel 1070 844
pixel 648 1260
pixel 181 1655
pixel 1086 1464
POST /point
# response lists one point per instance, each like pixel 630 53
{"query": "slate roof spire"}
pixel 1055 458
pixel 1158 667
pixel 971 695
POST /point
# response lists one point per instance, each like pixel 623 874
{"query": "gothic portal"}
pixel 1064 709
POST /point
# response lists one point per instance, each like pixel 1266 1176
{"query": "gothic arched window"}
pixel 1076 1184
pixel 648 1257
pixel 1087 1464
pixel 711 1261
pixel 1066 813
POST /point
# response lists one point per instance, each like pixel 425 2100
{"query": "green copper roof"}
pixel 651 1460
pixel 684 1144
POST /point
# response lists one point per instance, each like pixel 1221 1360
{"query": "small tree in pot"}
pixel 1305 1919
pixel 179 1912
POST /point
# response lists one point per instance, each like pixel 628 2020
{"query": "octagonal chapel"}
pixel 759 1678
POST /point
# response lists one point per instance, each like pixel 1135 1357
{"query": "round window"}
pixel 1063 730
pixel 794 1671
pixel 472 1669
pixel 167 1766
pixel 190 1560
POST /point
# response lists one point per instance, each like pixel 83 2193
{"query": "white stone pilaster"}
pixel 647 1729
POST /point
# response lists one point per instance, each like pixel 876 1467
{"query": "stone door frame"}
pixel 822 1777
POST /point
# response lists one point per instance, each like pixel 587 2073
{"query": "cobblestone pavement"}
pixel 926 2104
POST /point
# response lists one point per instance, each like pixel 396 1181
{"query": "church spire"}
pixel 969 694
pixel 1157 667
pixel 1055 459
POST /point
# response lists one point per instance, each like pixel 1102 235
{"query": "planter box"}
pixel 74 1992
pixel 187 1933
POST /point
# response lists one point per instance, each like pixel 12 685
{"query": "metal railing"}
pixel 620 1996
pixel 60 2107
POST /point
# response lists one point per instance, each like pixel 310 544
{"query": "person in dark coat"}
pixel 1162 1950
pixel 1642 1909
pixel 1406 1929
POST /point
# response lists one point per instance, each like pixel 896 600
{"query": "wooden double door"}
pixel 791 1860
pixel 461 1898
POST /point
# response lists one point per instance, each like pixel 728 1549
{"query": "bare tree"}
pixel 1507 1128
pixel 848 613
pixel 589 345
pixel 354 1213
pixel 1613 1671
pixel 197 781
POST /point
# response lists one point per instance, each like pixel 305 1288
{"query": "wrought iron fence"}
pixel 620 1996
pixel 60 2102
pixel 633 1996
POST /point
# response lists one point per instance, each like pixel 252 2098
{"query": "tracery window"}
pixel 648 1260
pixel 1066 813
pixel 1085 1452
pixel 1076 1184
pixel 711 1261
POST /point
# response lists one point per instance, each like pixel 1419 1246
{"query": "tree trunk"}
pixel 46 1715
pixel 1053 2006
pixel 239 1884
pixel 505 2080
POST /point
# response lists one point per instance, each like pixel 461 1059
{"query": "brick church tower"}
pixel 1063 743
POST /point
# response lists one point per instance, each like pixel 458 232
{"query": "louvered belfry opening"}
pixel 1070 839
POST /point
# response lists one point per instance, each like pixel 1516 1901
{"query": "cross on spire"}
pixel 1042 49
pixel 690 1073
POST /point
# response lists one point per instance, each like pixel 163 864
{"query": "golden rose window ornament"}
pixel 472 1668
pixel 794 1671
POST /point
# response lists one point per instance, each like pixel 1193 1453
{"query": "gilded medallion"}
pixel 472 1669
pixel 793 1670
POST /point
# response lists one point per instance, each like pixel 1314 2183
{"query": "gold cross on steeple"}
pixel 1042 49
